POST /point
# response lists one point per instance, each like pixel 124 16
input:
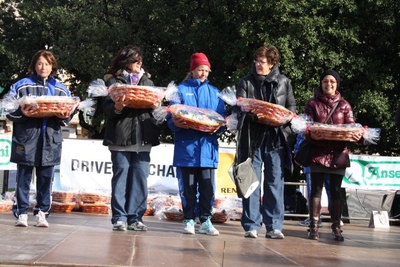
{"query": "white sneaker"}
pixel 22 220
pixel 189 227
pixel 119 226
pixel 275 234
pixel 41 219
pixel 207 228
pixel 137 226
pixel 251 234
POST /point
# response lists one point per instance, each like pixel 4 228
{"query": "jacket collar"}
pixel 271 77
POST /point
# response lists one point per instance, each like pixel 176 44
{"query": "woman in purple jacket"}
pixel 328 157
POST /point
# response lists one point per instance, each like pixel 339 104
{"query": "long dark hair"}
pixel 126 56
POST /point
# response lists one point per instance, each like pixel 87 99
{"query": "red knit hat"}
pixel 198 59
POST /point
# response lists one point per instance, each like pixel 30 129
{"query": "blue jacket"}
pixel 36 141
pixel 195 148
pixel 299 139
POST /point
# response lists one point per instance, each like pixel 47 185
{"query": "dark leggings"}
pixel 317 184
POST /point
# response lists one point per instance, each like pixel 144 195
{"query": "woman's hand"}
pixel 120 102
pixel 356 136
pixel 30 110
pixel 63 114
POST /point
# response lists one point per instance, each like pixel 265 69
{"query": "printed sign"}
pixel 5 153
pixel 372 172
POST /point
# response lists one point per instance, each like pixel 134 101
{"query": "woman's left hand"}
pixel 63 114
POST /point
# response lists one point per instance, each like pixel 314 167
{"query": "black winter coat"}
pixel 281 94
pixel 124 128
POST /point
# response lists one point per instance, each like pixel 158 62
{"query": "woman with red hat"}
pixel 196 152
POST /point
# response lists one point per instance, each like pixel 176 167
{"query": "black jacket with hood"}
pixel 124 128
pixel 281 93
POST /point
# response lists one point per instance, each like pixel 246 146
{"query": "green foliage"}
pixel 359 39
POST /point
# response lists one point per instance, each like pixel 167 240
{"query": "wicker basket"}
pixel 65 197
pixel 62 206
pixel 6 206
pixel 138 96
pixel 334 132
pixel 272 114
pixel 200 119
pixel 49 106
pixel 98 208
pixel 219 217
pixel 174 215
pixel 94 198
pixel 149 212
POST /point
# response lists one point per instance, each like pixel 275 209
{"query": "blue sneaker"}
pixel 189 227
pixel 207 228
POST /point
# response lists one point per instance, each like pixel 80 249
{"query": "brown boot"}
pixel 336 212
pixel 315 209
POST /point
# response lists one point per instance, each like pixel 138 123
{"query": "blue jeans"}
pixel 271 209
pixel 129 185
pixel 44 181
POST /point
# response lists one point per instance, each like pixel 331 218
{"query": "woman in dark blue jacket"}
pixel 36 142
pixel 196 152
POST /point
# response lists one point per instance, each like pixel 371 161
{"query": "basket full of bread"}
pixel 268 113
pixel 49 106
pixel 138 96
pixel 201 119
pixel 343 132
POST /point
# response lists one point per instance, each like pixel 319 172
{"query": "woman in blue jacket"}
pixel 36 142
pixel 196 152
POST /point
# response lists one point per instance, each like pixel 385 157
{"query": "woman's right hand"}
pixel 30 110
pixel 120 102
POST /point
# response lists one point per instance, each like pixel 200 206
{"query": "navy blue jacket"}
pixel 36 141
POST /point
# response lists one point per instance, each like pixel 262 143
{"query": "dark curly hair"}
pixel 126 56
pixel 270 52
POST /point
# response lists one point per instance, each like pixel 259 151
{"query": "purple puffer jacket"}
pixel 331 154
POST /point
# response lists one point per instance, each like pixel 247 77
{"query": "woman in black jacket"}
pixel 267 145
pixel 130 134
